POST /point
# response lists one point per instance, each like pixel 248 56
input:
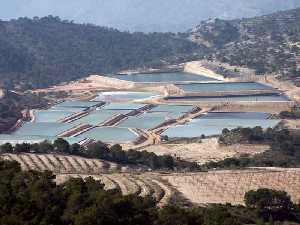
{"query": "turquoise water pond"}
pixel 211 87
pixel 214 123
pixel 162 77
pixel 110 134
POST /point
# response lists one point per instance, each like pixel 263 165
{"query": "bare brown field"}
pixel 208 150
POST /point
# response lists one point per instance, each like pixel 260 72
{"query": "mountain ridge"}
pixel 146 16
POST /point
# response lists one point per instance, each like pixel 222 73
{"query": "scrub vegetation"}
pixel 285 148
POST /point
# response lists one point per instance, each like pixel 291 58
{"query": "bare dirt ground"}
pixel 197 67
pixel 86 87
pixel 208 150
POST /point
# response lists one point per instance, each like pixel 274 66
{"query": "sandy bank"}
pixel 196 67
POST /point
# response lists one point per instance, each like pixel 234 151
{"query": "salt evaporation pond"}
pixel 213 124
pixel 148 120
pixel 123 106
pixel 99 116
pixel 50 116
pixel 211 87
pixel 78 104
pixel 252 98
pixel 162 77
pixel 42 129
pixel 110 134
pixel 124 96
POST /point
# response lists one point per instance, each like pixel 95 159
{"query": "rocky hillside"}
pixel 267 44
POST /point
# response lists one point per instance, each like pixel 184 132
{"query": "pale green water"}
pixel 213 124
pixel 110 134
pixel 211 87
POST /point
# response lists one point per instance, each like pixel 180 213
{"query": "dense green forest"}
pixel 267 44
pixel 284 152
pixel 33 198
pixel 43 51
pixel 102 151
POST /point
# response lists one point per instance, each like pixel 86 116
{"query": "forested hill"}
pixel 269 43
pixel 43 51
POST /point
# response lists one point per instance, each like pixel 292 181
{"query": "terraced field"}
pixel 147 185
pixel 231 186
pixel 183 188
pixel 62 164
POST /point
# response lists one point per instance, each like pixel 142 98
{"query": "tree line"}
pixel 102 151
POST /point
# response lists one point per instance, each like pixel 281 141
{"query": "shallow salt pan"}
pixel 100 116
pixel 42 129
pixel 256 98
pixel 110 134
pixel 214 123
pixel 78 104
pixel 211 87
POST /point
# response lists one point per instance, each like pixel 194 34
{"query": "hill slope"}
pixel 269 43
pixel 41 52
